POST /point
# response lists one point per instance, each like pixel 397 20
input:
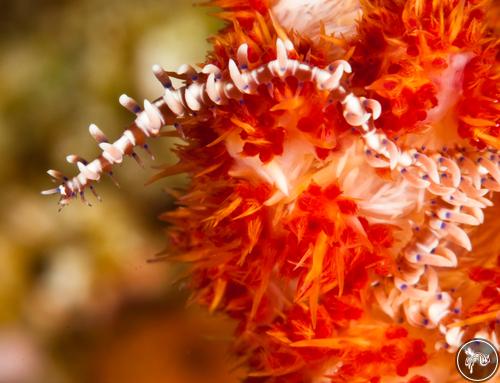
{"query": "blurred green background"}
pixel 78 301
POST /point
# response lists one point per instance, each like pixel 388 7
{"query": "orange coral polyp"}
pixel 421 36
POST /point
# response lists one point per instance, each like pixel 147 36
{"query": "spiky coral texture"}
pixel 402 53
pixel 296 274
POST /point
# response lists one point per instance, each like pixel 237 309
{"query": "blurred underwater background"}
pixel 78 300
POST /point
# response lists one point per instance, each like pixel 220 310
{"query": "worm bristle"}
pixel 129 103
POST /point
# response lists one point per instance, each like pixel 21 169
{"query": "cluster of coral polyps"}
pixel 343 180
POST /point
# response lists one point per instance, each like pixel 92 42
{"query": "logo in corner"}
pixel 477 360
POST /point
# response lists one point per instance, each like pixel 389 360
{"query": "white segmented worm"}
pixel 212 86
pixel 459 181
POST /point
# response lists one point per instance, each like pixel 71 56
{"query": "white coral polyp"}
pixel 283 171
pixel 305 16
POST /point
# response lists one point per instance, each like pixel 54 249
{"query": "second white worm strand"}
pixel 456 183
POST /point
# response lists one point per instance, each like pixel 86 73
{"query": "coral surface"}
pixel 343 168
